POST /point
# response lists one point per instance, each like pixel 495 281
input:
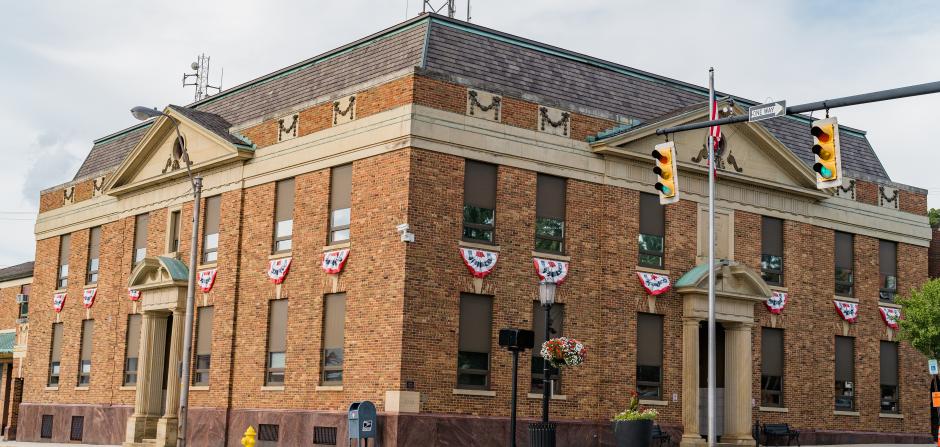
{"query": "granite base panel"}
pixel 829 437
pixel 103 424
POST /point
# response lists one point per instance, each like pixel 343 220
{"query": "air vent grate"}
pixel 78 426
pixel 267 432
pixel 324 435
pixel 45 431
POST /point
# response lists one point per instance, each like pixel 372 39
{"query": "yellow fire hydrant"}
pixel 249 439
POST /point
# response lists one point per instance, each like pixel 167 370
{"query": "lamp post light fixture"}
pixel 180 153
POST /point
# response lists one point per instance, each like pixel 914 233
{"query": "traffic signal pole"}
pixel 864 98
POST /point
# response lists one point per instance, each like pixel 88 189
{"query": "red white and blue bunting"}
pixel 134 295
pixel 777 301
pixel 278 269
pixel 848 311
pixel 654 284
pixel 550 270
pixel 334 261
pixel 479 262
pixel 58 301
pixel 88 297
pixel 891 316
pixel 206 279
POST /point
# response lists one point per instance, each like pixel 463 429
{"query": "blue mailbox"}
pixel 362 420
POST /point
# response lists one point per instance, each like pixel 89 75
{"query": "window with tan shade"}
pixel 479 201
pixel 771 367
pixel 277 343
pixel 845 373
pixel 340 203
pixel 84 361
pixel 652 234
pixel 845 258
pixel 204 318
pixel 649 356
pixel 141 223
pixel 55 355
pixel 210 229
pixel 334 325
pixel 63 275
pixel 475 337
pixel 771 258
pixel 173 241
pixel 94 255
pixel 132 349
pixel 889 377
pixel 550 213
pixel 888 268
pixel 284 216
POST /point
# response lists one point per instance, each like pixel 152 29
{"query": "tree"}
pixel 921 323
pixel 934 215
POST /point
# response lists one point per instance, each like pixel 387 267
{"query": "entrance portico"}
pixel 737 289
pixel 162 283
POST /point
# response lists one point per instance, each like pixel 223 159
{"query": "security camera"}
pixel 403 232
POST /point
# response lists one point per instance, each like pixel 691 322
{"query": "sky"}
pixel 72 70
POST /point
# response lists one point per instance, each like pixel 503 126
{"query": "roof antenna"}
pixel 468 11
pixel 200 79
pixel 451 6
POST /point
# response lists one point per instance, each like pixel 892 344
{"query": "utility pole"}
pixel 711 263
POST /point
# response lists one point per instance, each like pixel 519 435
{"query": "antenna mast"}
pixel 200 79
pixel 451 6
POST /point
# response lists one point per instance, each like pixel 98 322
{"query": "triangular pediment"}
pixel 748 153
pixel 151 162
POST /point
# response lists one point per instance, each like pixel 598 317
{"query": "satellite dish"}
pixel 194 65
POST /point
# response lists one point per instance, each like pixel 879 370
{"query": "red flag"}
pixel 715 133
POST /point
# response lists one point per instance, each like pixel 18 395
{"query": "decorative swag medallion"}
pixel 550 270
pixel 207 279
pixel 848 311
pixel 479 262
pixel 653 283
pixel 58 301
pixel 134 295
pixel 88 297
pixel 777 301
pixel 277 270
pixel 334 261
pixel 891 316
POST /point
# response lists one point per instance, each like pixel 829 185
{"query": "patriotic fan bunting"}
pixel 207 279
pixel 776 302
pixel 653 283
pixel 88 297
pixel 550 270
pixel 479 262
pixel 333 261
pixel 58 301
pixel 277 271
pixel 134 295
pixel 890 315
pixel 848 311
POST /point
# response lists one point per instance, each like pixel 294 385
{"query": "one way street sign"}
pixel 766 111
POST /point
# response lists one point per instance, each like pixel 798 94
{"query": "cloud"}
pixel 53 162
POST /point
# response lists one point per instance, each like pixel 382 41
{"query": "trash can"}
pixel 542 434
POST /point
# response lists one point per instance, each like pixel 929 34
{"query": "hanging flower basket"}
pixel 563 351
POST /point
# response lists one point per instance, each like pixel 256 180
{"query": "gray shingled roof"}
pixel 24 270
pixel 483 58
pixel 108 152
pixel 213 123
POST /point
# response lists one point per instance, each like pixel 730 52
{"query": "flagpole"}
pixel 711 262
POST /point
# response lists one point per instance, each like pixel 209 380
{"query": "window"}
pixel 652 231
pixel 204 318
pixel 649 356
pixel 141 222
pixel 84 359
pixel 771 258
pixel 210 230
pixel 94 254
pixel 845 257
pixel 555 330
pixel 888 267
pixel 889 377
pixel 63 278
pixel 340 199
pixel 24 306
pixel 771 367
pixel 277 342
pixel 283 215
pixel 479 201
pixel 334 322
pixel 550 214
pixel 475 337
pixel 132 350
pixel 845 373
pixel 175 226
pixel 55 356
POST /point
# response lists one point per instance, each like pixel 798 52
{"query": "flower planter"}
pixel 633 433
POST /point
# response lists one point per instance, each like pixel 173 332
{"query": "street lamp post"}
pixel 144 113
pixel 543 435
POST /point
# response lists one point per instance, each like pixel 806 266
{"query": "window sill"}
pixel 655 403
pixel 891 415
pixel 336 246
pixel 282 255
pixel 779 288
pixel 128 388
pixel 640 268
pixel 199 387
pixel 61 290
pixel 554 397
pixel 845 413
pixel 329 388
pixel 549 255
pixel 209 265
pixel 90 285
pixel 774 409
pixel 845 298
pixel 889 304
pixel 480 245
pixel 467 392
pixel 81 388
pixel 52 388
pixel 272 388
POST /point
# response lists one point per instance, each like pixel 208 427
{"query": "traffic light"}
pixel 667 175
pixel 828 166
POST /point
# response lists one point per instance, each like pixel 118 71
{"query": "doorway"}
pixel 6 381
pixel 719 378
pixel 166 362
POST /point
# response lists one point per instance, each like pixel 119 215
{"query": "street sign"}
pixel 766 111
pixel 933 367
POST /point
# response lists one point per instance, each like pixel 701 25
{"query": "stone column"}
pixel 142 424
pixel 690 346
pixel 168 425
pixel 738 373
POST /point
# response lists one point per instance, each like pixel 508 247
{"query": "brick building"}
pixel 934 250
pixel 477 140
pixel 15 284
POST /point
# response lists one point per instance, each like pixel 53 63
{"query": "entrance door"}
pixel 6 376
pixel 719 378
pixel 167 367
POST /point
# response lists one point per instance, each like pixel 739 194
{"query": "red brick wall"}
pixel 913 202
pixel 866 192
pixel 934 261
